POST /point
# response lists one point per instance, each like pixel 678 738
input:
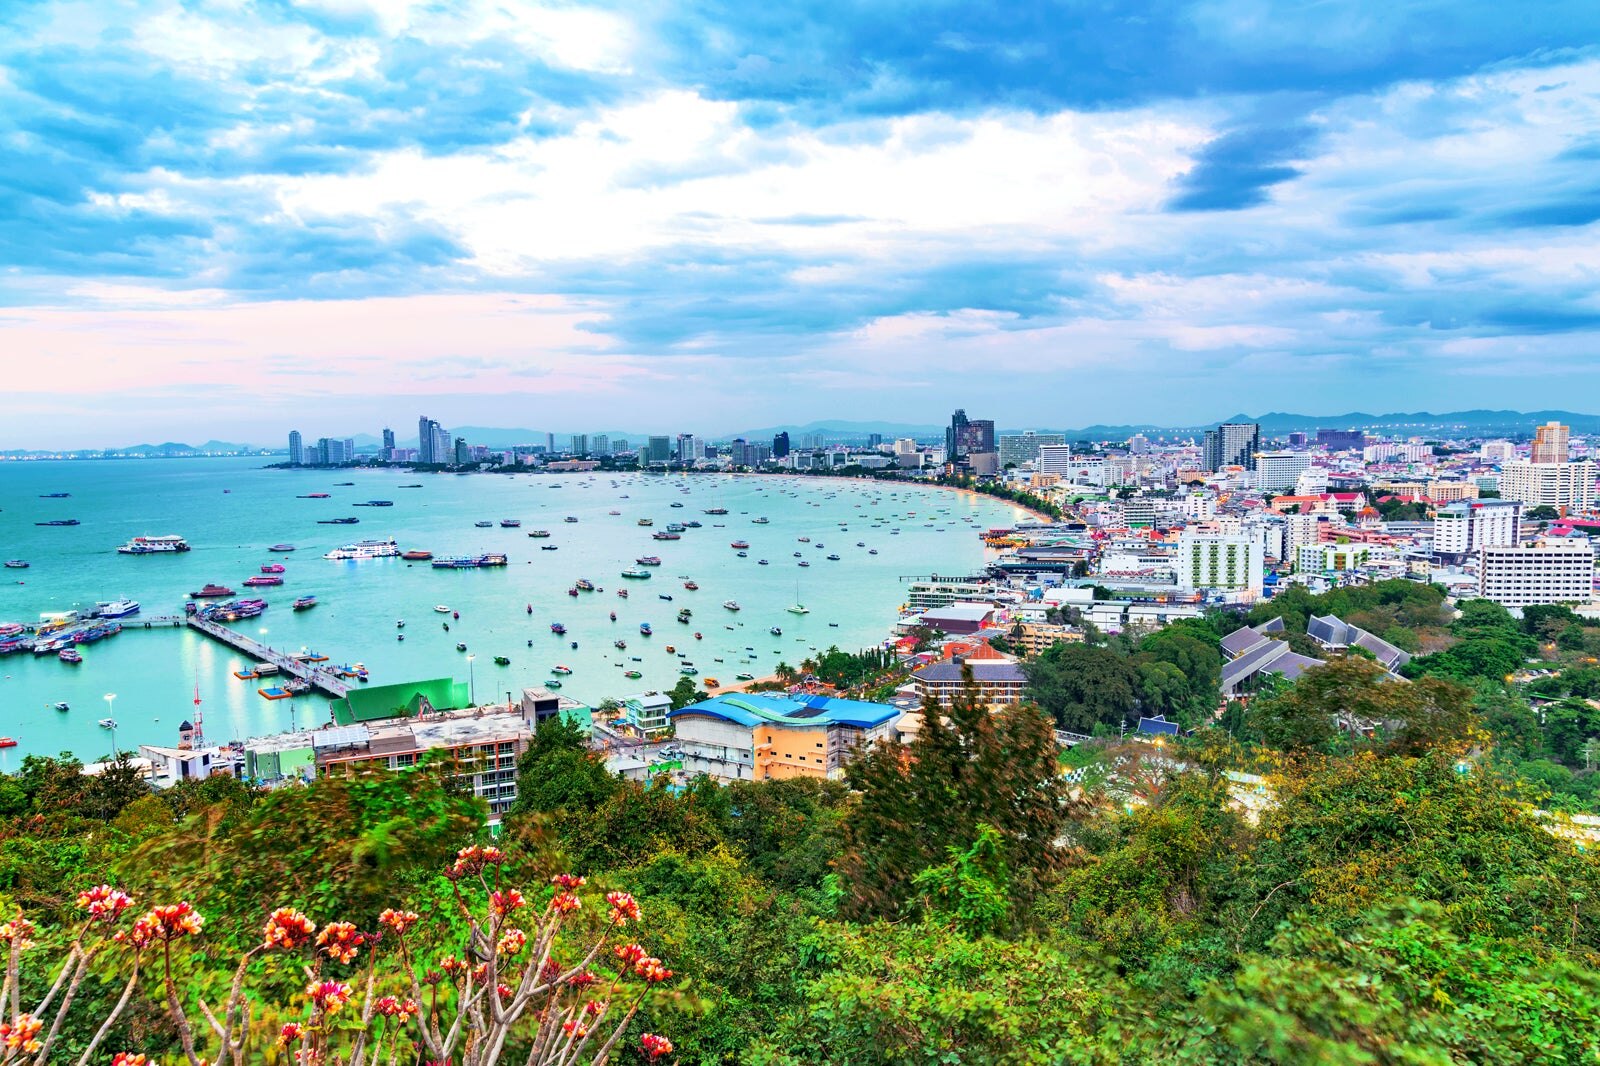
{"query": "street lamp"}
pixel 471 688
pixel 111 703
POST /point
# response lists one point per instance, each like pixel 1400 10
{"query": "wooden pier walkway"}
pixel 321 678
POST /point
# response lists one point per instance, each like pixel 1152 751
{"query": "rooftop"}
pixel 763 708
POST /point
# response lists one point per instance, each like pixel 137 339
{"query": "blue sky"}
pixel 223 219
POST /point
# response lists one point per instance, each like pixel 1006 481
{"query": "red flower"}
pixel 21 1033
pixel 655 1046
pixel 287 928
pixel 594 1007
pixel 289 1034
pixel 569 882
pixel 128 1058
pixel 582 979
pixel 341 941
pixel 17 929
pixel 512 942
pixel 565 903
pixel 504 991
pixel 473 860
pixel 104 903
pixel 624 908
pixel 392 1007
pixel 630 953
pixel 575 1029
pixel 506 902
pixel 171 922
pixel 651 969
pixel 329 995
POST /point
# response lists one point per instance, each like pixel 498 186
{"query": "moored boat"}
pixel 636 573
pixel 305 603
pixel 273 568
pixel 263 580
pixel 154 545
pixel 366 549
pixel 211 592
pixel 416 555
pixel 116 608
pixel 16 564
pixel 645 630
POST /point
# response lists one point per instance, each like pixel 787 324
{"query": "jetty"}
pixel 321 679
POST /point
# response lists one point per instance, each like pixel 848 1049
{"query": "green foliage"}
pixel 559 771
pixel 1080 685
pixel 685 693
pixel 969 891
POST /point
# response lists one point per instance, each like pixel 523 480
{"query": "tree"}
pixel 1079 685
pixel 685 693
pixel 559 771
pixel 1356 696
pixel 966 767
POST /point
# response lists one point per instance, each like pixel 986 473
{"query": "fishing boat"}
pixel 805 540
pixel 338 521
pixel 690 585
pixel 622 593
pixel 759 521
pixel 211 592
pixel 54 495
pixel 804 563
pixel 731 605
pixel 8 742
pixel 375 503
pixel 636 573
pixel 305 603
pixel 664 596
pixel 663 535
pixel 562 670
pixel 647 521
pixel 548 547
pixel 484 525
pixel 510 523
pixel 613 616
pixel 645 630
pixel 314 496
pixel 715 510
pixel 740 544
pixel 684 615
pixel 537 533
pixel 154 545
pixel 761 562
pixel 687 671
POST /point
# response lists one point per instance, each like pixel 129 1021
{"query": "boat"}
pixel 502 660
pixel 314 496
pixel 538 533
pixel 552 683
pixel 59 522
pixel 116 609
pixel 715 510
pixel 675 504
pixel 804 563
pixel 691 524
pixel 366 549
pixel 671 650
pixel 711 682
pixel 54 495
pixel 872 551
pixel 562 670
pixel 460 646
pixel 662 535
pixel 16 564
pixel 154 545
pixel 743 555
pixel 613 512
pixel 632 674
pixel 569 518
pixel 740 544
pixel 338 521
pixel 263 580
pixel 305 603
pixel 687 671
pixel 622 593
pixel 805 540
pixel 645 630
pixel 557 628
pixel 375 503
pixel 412 486
pixel 510 523
pixel 8 742
pixel 761 562
pixel 648 560
pixel 613 616
pixel 548 547
pixel 620 645
pixel 63 705
pixel 484 525
pixel 697 636
pixel 273 568
pixel 344 484
pixel 107 723
pixel 417 555
pixel 730 605
pixel 281 548
pixel 798 608
pixel 647 521
pixel 744 677
pixel 636 573
pixel 583 584
pixel 211 592
pixel 470 562
pixel 759 521
pixel 573 593
pixel 665 596
pixel 683 616
pixel 441 608
pixel 675 527
pixel 833 558
pixel 776 631
pixel 69 655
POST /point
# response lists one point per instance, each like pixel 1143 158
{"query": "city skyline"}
pixel 267 216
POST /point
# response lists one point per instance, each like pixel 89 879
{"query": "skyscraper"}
pixel 388 444
pixel 601 445
pixel 977 437
pixel 873 440
pixel 658 450
pixel 463 454
pixel 780 445
pixel 441 444
pixel 1549 443
pixel 1016 449
pixel 954 434
pixel 297 448
pixel 1232 444
pixel 425 428
pixel 580 444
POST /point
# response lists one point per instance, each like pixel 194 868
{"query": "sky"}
pixel 233 218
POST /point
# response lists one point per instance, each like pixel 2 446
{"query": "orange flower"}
pixel 104 903
pixel 512 942
pixel 655 1046
pixel 173 921
pixel 399 921
pixel 19 929
pixel 392 1007
pixel 575 1029
pixel 288 1034
pixel 128 1058
pixel 329 995
pixel 340 940
pixel 506 902
pixel 569 882
pixel 565 903
pixel 21 1033
pixel 473 860
pixel 582 979
pixel 630 953
pixel 651 969
pixel 624 908
pixel 287 928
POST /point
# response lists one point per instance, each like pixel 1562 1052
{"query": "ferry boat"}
pixel 648 560
pixel 16 564
pixel 583 584
pixel 154 545
pixel 715 510
pixel 366 549
pixel 116 609
pixel 665 536
pixel 636 573
pixel 731 605
pixel 510 523
pixel 70 655
pixel 281 548
pixel 645 630
pixel 538 532
pixel 470 562
pixel 59 522
pixel 305 603
pixel 740 544
pixel 211 592
pixel 273 568
pixel 417 555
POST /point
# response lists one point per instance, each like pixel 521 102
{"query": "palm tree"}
pixel 784 672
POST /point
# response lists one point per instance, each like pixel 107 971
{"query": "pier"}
pixel 321 679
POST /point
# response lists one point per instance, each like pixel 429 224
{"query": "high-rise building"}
pixel 1276 471
pixel 1462 528
pixel 688 447
pixel 580 444
pixel 441 444
pixel 1139 444
pixel 549 443
pixel 1564 486
pixel 1055 459
pixel 1018 448
pixel 780 444
pixel 331 451
pixel 462 453
pixel 1225 561
pixel 425 436
pixel 601 445
pixel 1232 444
pixel 1555 572
pixel 1341 440
pixel 1549 443
pixel 658 450
pixel 1297 440
pixel 977 436
pixel 388 444
pixel 297 448
pixel 873 440
pixel 954 434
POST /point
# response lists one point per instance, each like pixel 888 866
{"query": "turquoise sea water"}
pixel 231 510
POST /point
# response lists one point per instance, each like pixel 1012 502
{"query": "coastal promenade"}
pixel 323 680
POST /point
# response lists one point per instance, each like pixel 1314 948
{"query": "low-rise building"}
pixel 761 736
pixel 647 711
pixel 999 682
pixel 1550 572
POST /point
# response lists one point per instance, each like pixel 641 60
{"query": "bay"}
pixel 232 509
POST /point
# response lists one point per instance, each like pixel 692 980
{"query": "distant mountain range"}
pixel 1273 424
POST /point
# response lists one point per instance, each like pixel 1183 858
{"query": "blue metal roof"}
pixel 762 708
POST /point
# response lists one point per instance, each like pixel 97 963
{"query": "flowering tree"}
pixel 374 996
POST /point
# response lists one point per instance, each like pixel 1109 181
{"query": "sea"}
pixel 232 509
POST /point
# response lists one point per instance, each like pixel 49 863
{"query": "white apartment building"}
pixel 1331 558
pixel 1460 529
pixel 1277 471
pixel 1313 481
pixel 1564 486
pixel 1552 572
pixel 1024 447
pixel 1298 531
pixel 1497 451
pixel 1082 470
pixel 1229 562
pixel 1199 507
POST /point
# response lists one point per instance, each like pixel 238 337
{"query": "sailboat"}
pixel 798 607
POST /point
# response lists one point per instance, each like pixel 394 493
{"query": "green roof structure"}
pixel 407 699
